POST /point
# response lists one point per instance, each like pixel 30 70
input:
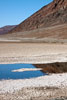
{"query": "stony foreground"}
pixel 42 88
pixel 38 93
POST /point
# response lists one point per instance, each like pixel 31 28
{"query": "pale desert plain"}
pixel 46 87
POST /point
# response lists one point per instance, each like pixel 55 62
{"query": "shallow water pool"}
pixel 6 71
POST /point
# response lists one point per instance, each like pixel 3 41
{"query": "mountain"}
pixel 53 14
pixel 49 24
pixel 6 29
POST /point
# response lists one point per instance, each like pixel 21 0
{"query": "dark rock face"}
pixel 58 67
pixel 53 14
pixel 6 29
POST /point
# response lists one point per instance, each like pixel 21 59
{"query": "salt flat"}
pixel 32 53
pixel 53 80
pixel 41 88
pixel 49 86
pixel 26 69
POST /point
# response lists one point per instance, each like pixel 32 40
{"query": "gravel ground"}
pixel 38 93
pixel 42 88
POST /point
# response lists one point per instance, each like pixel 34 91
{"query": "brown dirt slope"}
pixel 53 14
pixel 56 32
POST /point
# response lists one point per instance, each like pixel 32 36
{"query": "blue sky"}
pixel 13 12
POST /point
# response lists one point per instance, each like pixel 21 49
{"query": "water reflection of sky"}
pixel 6 71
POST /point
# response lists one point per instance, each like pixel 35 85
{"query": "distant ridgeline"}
pixel 6 29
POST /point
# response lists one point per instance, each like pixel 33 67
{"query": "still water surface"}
pixel 6 71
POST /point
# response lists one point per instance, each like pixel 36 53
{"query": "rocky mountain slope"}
pixel 49 24
pixel 53 14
